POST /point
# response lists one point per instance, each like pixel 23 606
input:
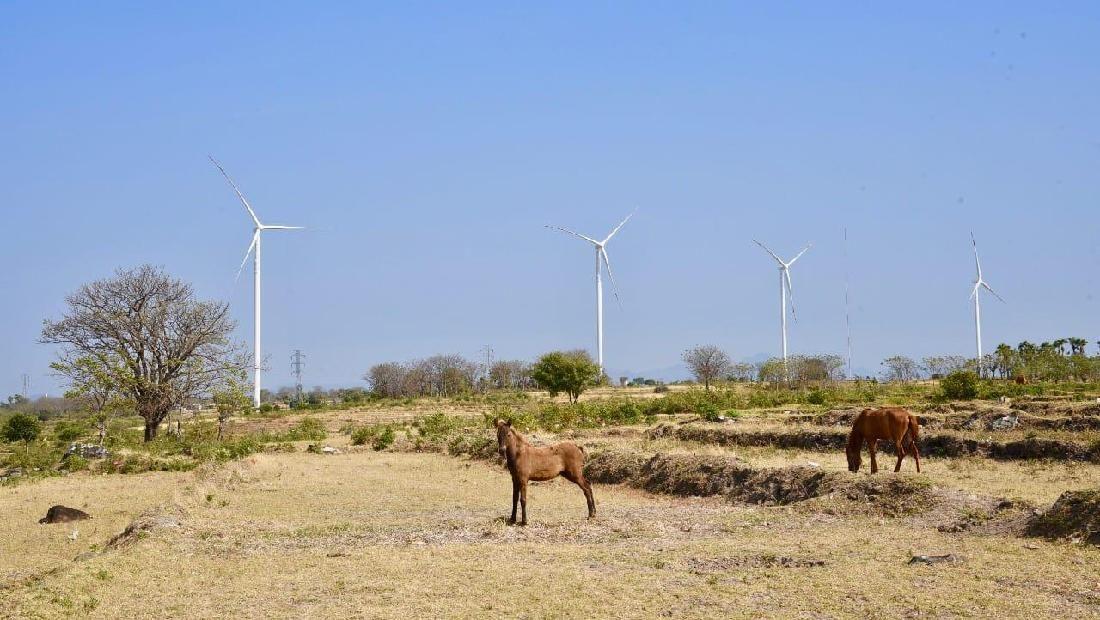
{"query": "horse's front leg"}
pixel 871 443
pixel 515 500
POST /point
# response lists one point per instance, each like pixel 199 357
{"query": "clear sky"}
pixel 425 145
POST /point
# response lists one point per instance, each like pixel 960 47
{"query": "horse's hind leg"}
pixel 916 453
pixel 523 501
pixel 579 480
pixel 900 448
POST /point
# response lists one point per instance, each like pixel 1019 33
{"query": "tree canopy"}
pixel 143 335
pixel 569 372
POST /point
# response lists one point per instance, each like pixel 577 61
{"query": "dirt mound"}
pixel 806 439
pixel 143 526
pixel 613 467
pixel 938 444
pixel 706 475
pixel 1075 516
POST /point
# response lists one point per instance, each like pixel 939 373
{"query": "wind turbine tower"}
pixel 601 261
pixel 979 283
pixel 254 250
pixel 785 290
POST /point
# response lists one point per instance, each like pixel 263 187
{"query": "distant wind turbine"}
pixel 601 259
pixel 785 289
pixel 979 283
pixel 254 250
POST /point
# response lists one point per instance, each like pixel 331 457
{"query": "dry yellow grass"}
pixel 419 535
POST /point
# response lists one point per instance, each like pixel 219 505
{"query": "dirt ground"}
pixel 368 534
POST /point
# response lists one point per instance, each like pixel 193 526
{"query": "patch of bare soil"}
pixel 1075 517
pixel 707 565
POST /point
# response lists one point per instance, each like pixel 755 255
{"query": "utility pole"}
pixel 488 361
pixel 26 383
pixel 296 363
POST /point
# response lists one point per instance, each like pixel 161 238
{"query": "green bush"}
pixel 75 462
pixel 68 431
pixel 363 434
pixel 384 439
pixel 437 425
pixel 960 385
pixel 817 397
pixel 307 429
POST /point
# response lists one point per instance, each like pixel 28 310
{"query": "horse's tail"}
pixel 913 432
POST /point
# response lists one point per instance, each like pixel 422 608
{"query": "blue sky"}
pixel 425 145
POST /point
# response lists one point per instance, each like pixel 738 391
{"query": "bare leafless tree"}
pixel 171 346
pixel 707 363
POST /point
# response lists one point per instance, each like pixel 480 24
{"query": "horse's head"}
pixel 854 458
pixel 504 428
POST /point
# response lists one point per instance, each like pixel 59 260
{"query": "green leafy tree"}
pixel 97 381
pixel 569 372
pixel 231 400
pixel 22 427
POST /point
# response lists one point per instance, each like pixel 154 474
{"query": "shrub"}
pixel 436 425
pixel 708 411
pixel 817 397
pixel 384 439
pixel 660 389
pixel 360 436
pixel 67 431
pixel 960 385
pixel 307 429
pixel 75 462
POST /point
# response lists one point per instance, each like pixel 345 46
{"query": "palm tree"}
pixel 1077 346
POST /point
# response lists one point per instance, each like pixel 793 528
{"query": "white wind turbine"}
pixel 785 289
pixel 254 249
pixel 601 258
pixel 979 283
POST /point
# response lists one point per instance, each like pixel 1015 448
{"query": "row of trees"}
pixel 1064 359
pixel 446 375
pixel 709 363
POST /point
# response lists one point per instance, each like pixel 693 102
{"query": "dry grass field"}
pixel 368 534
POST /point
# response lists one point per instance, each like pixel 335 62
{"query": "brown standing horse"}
pixel 527 462
pixel 890 423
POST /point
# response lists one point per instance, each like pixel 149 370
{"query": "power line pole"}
pixel 296 363
pixel 488 361
pixel 26 383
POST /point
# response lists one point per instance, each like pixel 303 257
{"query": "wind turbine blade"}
pixel 977 264
pixel 566 230
pixel 251 246
pixel 799 255
pixel 790 290
pixel 986 286
pixel 244 201
pixel 766 249
pixel 619 226
pixel 274 227
pixel 614 285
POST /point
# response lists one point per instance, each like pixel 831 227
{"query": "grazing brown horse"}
pixel 527 462
pixel 890 423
